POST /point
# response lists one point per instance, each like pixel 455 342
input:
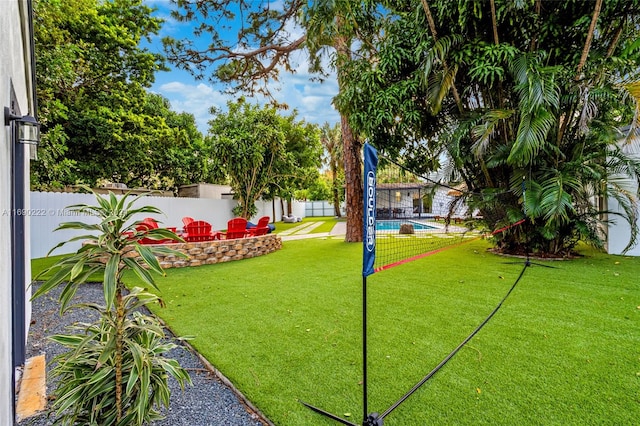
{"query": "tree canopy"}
pixel 98 120
pixel 261 153
pixel 526 102
pixel 247 44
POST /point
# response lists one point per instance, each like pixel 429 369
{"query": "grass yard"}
pixel 564 349
pixel 328 222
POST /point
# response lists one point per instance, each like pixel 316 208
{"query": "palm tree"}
pixel 335 26
pixel 331 140
pixel 490 87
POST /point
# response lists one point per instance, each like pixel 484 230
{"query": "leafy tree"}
pixel 303 156
pixel 179 153
pixel 332 143
pixel 263 46
pixel 320 190
pixel 527 100
pixel 98 119
pixel 261 153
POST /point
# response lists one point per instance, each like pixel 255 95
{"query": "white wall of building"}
pixel 14 71
pixel 619 232
pixel 442 203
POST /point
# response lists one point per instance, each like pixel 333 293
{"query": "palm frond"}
pixel 484 131
pixel 531 137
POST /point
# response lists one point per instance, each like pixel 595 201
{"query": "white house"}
pixel 17 95
pixel 401 200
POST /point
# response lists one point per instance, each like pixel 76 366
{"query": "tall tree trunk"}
pixel 273 210
pixel 351 152
pixel 534 38
pixel 494 22
pixel 334 189
pixel 587 43
pixel 353 181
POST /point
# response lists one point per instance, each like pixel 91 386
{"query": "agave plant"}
pixel 114 372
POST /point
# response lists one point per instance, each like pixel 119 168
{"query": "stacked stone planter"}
pixel 218 251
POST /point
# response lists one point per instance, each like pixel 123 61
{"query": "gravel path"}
pixel 208 402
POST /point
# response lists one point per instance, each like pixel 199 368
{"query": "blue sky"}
pixel 310 98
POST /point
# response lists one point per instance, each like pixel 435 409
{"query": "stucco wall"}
pixel 14 70
pixel 619 230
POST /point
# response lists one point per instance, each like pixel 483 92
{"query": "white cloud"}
pixel 194 98
pixel 311 99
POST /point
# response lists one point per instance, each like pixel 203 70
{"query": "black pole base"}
pixel 373 419
pixel 328 414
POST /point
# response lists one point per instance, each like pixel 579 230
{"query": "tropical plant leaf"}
pixel 52 282
pixel 111 279
pixel 141 272
pixel 150 259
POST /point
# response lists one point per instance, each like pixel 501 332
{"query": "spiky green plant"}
pixel 114 372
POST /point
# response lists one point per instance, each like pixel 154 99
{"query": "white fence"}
pixel 321 208
pixel 49 209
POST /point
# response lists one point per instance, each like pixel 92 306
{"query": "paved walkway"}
pixel 303 231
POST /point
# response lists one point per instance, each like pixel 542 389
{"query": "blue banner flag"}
pixel 369 216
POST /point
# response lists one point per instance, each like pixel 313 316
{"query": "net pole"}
pixel 365 408
pixel 368 258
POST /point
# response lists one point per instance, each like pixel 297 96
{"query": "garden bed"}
pixel 218 251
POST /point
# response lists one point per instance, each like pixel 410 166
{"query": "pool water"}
pixel 394 225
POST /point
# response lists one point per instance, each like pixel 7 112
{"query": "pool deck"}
pixel 303 231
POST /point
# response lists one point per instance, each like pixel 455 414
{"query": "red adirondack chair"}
pixel 147 224
pixel 236 228
pixel 261 228
pixel 187 220
pixel 199 230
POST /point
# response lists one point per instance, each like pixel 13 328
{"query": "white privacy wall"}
pixel 49 210
pixel 619 231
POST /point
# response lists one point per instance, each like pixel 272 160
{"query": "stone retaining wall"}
pixel 218 251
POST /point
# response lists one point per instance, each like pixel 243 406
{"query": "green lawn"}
pixel 564 349
pixel 327 225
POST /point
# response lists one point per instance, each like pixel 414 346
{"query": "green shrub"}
pixel 114 372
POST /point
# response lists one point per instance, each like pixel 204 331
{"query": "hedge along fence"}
pixel 49 209
pixel 217 251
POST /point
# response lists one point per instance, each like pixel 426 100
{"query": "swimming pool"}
pixel 394 225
